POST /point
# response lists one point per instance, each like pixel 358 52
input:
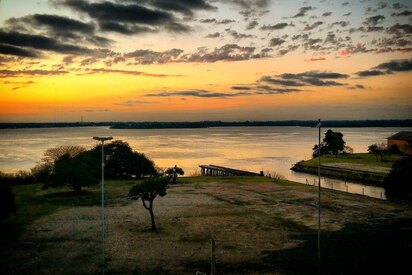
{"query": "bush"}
pixel 398 183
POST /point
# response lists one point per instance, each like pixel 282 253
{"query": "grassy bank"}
pixel 261 226
pixel 361 167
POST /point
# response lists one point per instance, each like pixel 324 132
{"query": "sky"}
pixel 192 60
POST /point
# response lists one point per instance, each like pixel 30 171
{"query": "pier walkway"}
pixel 214 170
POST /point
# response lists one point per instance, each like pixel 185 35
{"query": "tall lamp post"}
pixel 319 191
pixel 102 140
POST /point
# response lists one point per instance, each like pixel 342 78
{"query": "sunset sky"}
pixel 189 60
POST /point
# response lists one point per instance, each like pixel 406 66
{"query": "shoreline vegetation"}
pixel 260 224
pixel 358 167
pixel 208 124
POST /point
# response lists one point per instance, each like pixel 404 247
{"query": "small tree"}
pixel 373 149
pixel 397 183
pixel 173 173
pixel 147 191
pixel 75 172
pixel 378 150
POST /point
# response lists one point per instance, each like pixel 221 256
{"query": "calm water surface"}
pixel 268 149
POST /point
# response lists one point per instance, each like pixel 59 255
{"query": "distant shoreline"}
pixel 208 124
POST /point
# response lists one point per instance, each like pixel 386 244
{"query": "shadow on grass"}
pixel 356 249
pixel 72 198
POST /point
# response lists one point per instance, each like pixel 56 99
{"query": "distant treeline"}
pixel 207 124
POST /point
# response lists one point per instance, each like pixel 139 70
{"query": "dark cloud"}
pixel 134 17
pixel 269 90
pixel 330 38
pixel 310 78
pixel 153 57
pixel 325 14
pixel 312 59
pixel 347 14
pixel 396 65
pixel 41 43
pixel 236 35
pixel 381 5
pixel 133 103
pixel 15 73
pixel 302 11
pixel 312 44
pixel 397 6
pixel 276 42
pixel 67 60
pixel 340 23
pixel 400 28
pixel 277 26
pixel 242 88
pixel 404 13
pixel 313 26
pixel 215 21
pixel 54 22
pixel 370 73
pixel 345 4
pixel 198 93
pixel 126 72
pixel 253 24
pixel 58 27
pixel 126 29
pixel 392 66
pixel 374 20
pixel 249 4
pixel 213 35
pixel 228 52
pixel 187 7
pixel 132 13
pixel 19 84
pixel 356 87
pixel 16 51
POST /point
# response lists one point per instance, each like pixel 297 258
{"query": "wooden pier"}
pixel 214 170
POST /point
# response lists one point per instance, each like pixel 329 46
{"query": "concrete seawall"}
pixel 364 177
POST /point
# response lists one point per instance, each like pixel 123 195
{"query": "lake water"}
pixel 270 149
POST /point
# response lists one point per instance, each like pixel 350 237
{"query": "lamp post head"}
pixel 103 138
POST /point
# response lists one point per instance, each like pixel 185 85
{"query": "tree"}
pixel 7 204
pixel 75 172
pixel 124 163
pixel 334 142
pixel 373 149
pixel 53 154
pixel 378 150
pixel 147 191
pixel 323 150
pixel 397 183
pixel 173 173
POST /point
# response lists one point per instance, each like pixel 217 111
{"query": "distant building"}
pixel 403 140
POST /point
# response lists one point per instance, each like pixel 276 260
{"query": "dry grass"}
pixel 247 218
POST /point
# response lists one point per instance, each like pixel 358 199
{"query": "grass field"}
pixel 364 159
pixel 261 226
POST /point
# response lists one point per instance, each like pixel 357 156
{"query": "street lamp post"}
pixel 319 192
pixel 103 139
